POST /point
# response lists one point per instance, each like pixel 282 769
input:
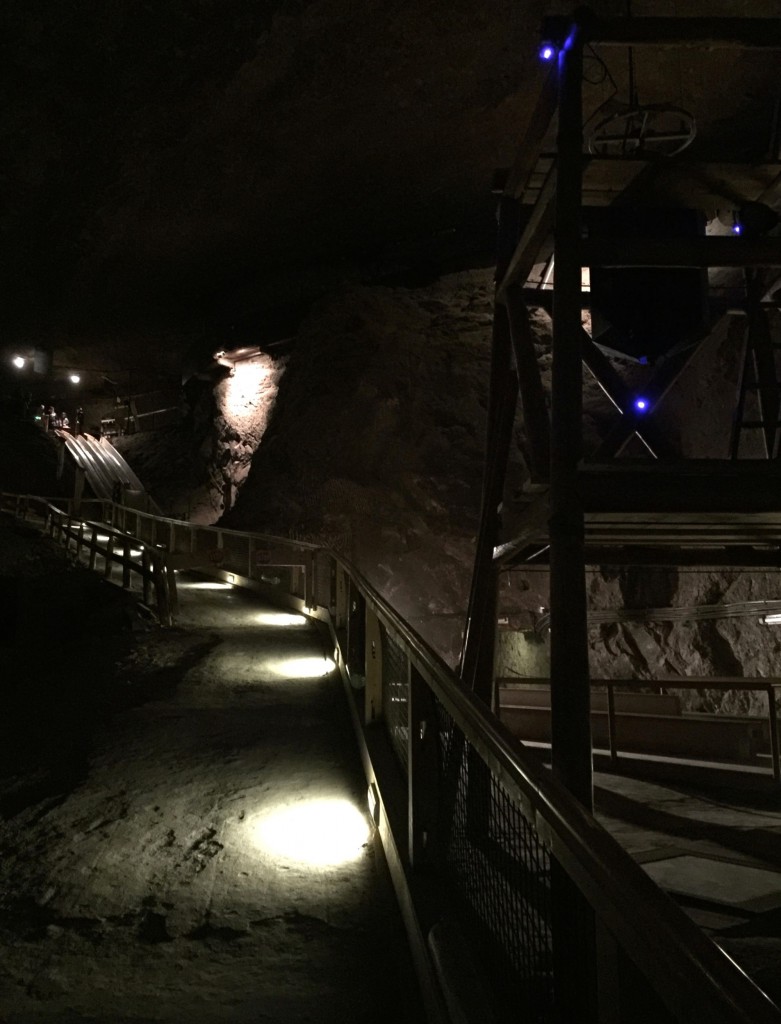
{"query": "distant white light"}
pixel 280 619
pixel 18 362
pixel 301 668
pixel 74 378
pixel 322 833
pixel 243 389
pixel 210 585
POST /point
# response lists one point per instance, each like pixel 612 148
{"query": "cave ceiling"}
pixel 185 158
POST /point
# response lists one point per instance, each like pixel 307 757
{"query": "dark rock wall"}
pixel 376 444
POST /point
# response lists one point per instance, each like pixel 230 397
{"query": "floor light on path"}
pixel 302 668
pixel 324 832
pixel 280 619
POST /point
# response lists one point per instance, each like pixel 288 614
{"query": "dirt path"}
pixel 157 890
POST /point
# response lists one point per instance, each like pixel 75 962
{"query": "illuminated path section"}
pixel 219 855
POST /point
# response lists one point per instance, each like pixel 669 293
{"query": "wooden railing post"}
pixel 161 589
pixel 373 694
pixel 173 593
pixel 611 723
pixel 109 554
pixel 146 582
pixel 775 754
pixel 340 618
pixel 423 758
pixel 126 563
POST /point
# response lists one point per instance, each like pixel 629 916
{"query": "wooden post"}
pixel 373 694
pixel 173 593
pixel 146 582
pixel 161 590
pixel 423 757
pixel 93 546
pixel 109 556
pixel 341 598
pixel 574 962
pixel 309 581
pixel 611 723
pixel 570 697
pixel 477 660
pixel 775 754
pixel 126 563
pixel 535 410
pixel 356 636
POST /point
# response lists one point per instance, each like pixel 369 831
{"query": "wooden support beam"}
pixel 760 343
pixel 720 251
pixel 708 33
pixel 668 372
pixel 477 656
pixel 739 557
pixel 699 487
pixel 533 139
pixel 535 409
pixel 537 229
pixel 533 532
pixel 618 394
pixel 570 721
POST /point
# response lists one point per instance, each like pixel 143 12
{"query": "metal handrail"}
pixel 690 974
pixel 749 685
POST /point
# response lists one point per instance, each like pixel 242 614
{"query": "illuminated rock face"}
pixel 376 443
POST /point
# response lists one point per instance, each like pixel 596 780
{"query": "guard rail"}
pixel 476 830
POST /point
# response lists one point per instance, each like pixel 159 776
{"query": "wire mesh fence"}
pixel 395 694
pixel 500 873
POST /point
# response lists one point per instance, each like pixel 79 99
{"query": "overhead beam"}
pixel 699 486
pixel 682 252
pixel 713 33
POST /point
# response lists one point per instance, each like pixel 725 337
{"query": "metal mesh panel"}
pixel 235 551
pixel 322 579
pixel 395 694
pixel 500 872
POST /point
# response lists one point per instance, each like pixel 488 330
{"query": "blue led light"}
pixel 736 229
pixel 547 52
pixel 641 404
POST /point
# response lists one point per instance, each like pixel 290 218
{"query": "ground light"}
pixel 280 619
pixel 325 832
pixel 641 404
pixel 18 362
pixel 74 378
pixel 547 52
pixel 207 585
pixel 301 668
